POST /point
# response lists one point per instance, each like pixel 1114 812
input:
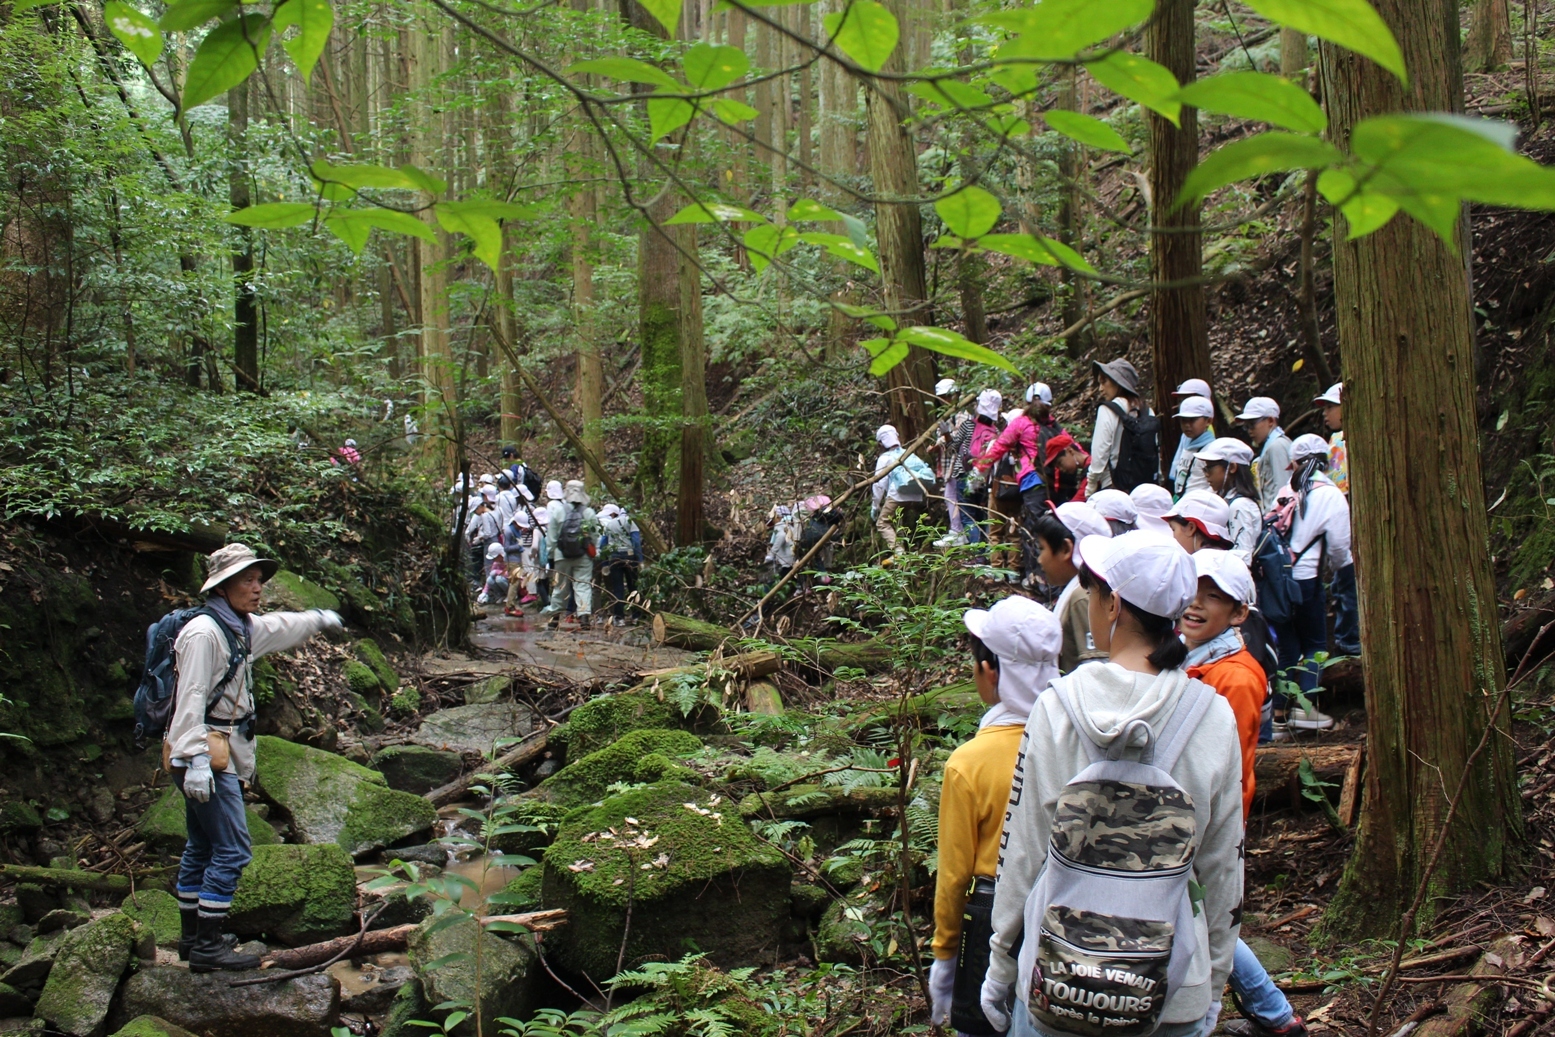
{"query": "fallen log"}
pixel 822 653
pixel 746 666
pixel 529 749
pixel 950 698
pixel 68 878
pixel 1468 1004
pixel 1277 766
pixel 534 921
pixel 377 941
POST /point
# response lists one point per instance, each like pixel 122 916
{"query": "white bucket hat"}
pixel 488 480
pixel 1151 502
pixel 1039 391
pixel 1334 395
pixel 1260 407
pixel 1149 571
pixel 494 550
pixel 988 403
pixel 1227 449
pixel 1229 572
pixel 576 492
pixel 1205 510
pixel 1192 387
pixel 226 562
pixel 944 387
pixel 1307 446
pixel 1195 407
pixel 1115 505
pixel 1083 521
pixel 887 437
pixel 553 490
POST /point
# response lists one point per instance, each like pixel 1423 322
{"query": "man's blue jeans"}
pixel 1260 998
pixel 218 845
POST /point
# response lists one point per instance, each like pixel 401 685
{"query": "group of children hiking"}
pixel 526 553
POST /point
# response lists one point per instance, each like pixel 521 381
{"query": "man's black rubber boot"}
pixel 190 924
pixel 212 953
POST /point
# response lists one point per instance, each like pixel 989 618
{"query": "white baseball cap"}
pixel 1017 629
pixel 1115 505
pixel 1334 395
pixel 1039 391
pixel 488 479
pixel 1192 387
pixel 1151 502
pixel 988 403
pixel 1227 449
pixel 489 492
pixel 1195 407
pixel 1083 521
pixel 1209 512
pixel 525 492
pixel 1229 572
pixel 887 437
pixel 1307 446
pixel 1148 570
pixel 1260 407
pixel 944 387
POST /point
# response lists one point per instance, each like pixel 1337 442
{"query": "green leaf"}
pixel 629 70
pixel 273 214
pixel 888 355
pixel 493 209
pixel 949 343
pixel 1036 249
pixel 458 218
pixel 1139 79
pixel 666 11
pixel 191 14
pixel 136 31
pixel 668 114
pixel 729 111
pixel 1441 213
pixel 714 212
pixel 807 209
pixel 227 56
pixel 970 213
pixel 505 927
pixel 390 220
pixel 354 232
pixel 1438 154
pixel 1057 30
pixel 843 248
pixel 1364 211
pixel 424 180
pixel 951 93
pixel 1087 129
pixel 314 19
pixel 869 313
pixel 1273 152
pixel 713 68
pixel 1350 23
pixel 20 7
pixel 357 177
pixel 865 31
pixel 1258 96
pixel 768 241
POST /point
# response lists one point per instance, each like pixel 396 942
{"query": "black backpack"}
pixel 571 541
pixel 157 692
pixel 1139 455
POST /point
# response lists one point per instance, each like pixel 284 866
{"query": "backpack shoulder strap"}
pixel 237 654
pixel 1095 752
pixel 1196 699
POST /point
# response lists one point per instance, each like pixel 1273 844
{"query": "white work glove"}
pixel 331 618
pixel 1211 1020
pixel 942 987
pixel 199 782
pixel 997 1000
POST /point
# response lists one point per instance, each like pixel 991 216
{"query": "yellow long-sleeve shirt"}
pixel 972 803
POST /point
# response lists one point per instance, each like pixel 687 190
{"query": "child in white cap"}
pixel 900 492
pixel 1332 403
pixel 1151 503
pixel 1139 703
pixel 1228 466
pixel 1057 534
pixel 1117 508
pixel 1014 656
pixel 1194 415
pixel 1199 521
pixel 1262 415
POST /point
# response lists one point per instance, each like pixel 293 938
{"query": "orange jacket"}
pixel 1243 683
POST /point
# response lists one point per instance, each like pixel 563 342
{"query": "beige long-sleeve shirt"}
pixel 202 658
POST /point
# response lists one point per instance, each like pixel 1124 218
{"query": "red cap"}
pixel 1057 445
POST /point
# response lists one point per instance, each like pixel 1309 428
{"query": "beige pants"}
pixel 885 523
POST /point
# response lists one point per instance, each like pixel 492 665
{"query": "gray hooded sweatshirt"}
pixel 1209 771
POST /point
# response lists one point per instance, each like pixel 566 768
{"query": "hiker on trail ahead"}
pixel 572 533
pixel 1194 415
pixel 1347 615
pixel 950 464
pixel 1272 469
pixel 1064 464
pixel 899 495
pixel 1182 460
pixel 1228 467
pixel 1057 535
pixel 1123 445
pixel 1200 520
pixel 521 539
pixel 209 745
pixel 1332 403
pixel 1014 655
pixel 1169 866
pixel 1118 509
pixel 1151 503
pixel 621 548
pixel 1026 438
pixel 481 530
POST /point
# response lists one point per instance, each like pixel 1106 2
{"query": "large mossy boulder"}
pixel 288 592
pixel 86 973
pixel 604 720
pixel 683 864
pixel 370 655
pixel 295 894
pixel 416 768
pixel 158 911
pixel 151 1026
pixel 165 826
pixel 586 780
pixel 476 729
pixel 206 1003
pixel 329 799
pixel 509 978
pixel 31 970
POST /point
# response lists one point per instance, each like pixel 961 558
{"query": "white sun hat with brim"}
pixel 576 492
pixel 1192 387
pixel 553 490
pixel 1260 407
pixel 888 437
pixel 944 387
pixel 1082 521
pixel 1229 572
pixel 494 550
pixel 229 561
pixel 1152 502
pixel 1115 505
pixel 1027 638
pixel 1306 446
pixel 1208 511
pixel 1148 570
pixel 1334 395
pixel 1232 451
pixel 988 403
pixel 488 480
pixel 1195 407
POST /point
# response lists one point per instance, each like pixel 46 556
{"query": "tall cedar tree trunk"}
pixel 1179 337
pixel 893 166
pixel 1490 36
pixel 583 207
pixel 245 302
pixel 1429 631
pixel 499 145
pixel 1295 54
pixel 425 59
pixel 689 510
pixel 1069 162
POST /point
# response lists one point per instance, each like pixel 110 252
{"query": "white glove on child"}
pixel 942 987
pixel 199 782
pixel 997 1000
pixel 331 618
pixel 1211 1020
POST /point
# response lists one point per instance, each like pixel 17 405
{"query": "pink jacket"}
pixel 983 433
pixel 1022 436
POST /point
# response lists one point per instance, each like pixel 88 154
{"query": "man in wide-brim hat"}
pixel 209 746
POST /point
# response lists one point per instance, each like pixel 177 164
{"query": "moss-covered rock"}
pixel 416 768
pixel 19 816
pixel 604 720
pixel 659 767
pixel 585 780
pixel 509 977
pixel 158 911
pixel 489 690
pixel 410 1004
pixel 86 973
pixel 843 933
pixel 542 820
pixel 802 802
pixel 32 969
pixel 524 892
pixel 405 701
pixel 295 894
pixel 151 1026
pixel 368 652
pixel 288 592
pixel 165 825
pixel 361 679
pixel 329 799
pixel 689 870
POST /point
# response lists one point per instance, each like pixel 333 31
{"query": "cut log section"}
pixel 824 654
pixel 1468 1004
pixel 1278 767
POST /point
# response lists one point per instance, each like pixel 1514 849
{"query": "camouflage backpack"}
pixel 1113 909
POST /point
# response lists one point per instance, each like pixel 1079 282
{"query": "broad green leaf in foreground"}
pixel 713 68
pixel 273 215
pixel 887 354
pixel 809 209
pixel 628 70
pixel 667 12
pixel 458 218
pixel 1364 211
pixel 730 111
pixel 136 31
pixel 1353 24
pixel 1273 152
pixel 668 114
pixel 1139 79
pixel 1057 30
pixel 950 343
pixel 424 180
pixel 314 19
pixel 1450 155
pixel 951 93
pixel 865 31
pixel 1036 249
pixel 843 248
pixel 227 55
pixel 357 177
pixel 768 241
pixel 1260 96
pixel 1087 129
pixel 714 212
pixel 191 14
pixel 969 213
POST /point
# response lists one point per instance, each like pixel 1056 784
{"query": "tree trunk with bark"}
pixel 498 135
pixel 1070 160
pixel 690 516
pixel 583 208
pixel 1295 54
pixel 1490 36
pixel 1179 336
pixel 1429 631
pixel 425 59
pixel 245 300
